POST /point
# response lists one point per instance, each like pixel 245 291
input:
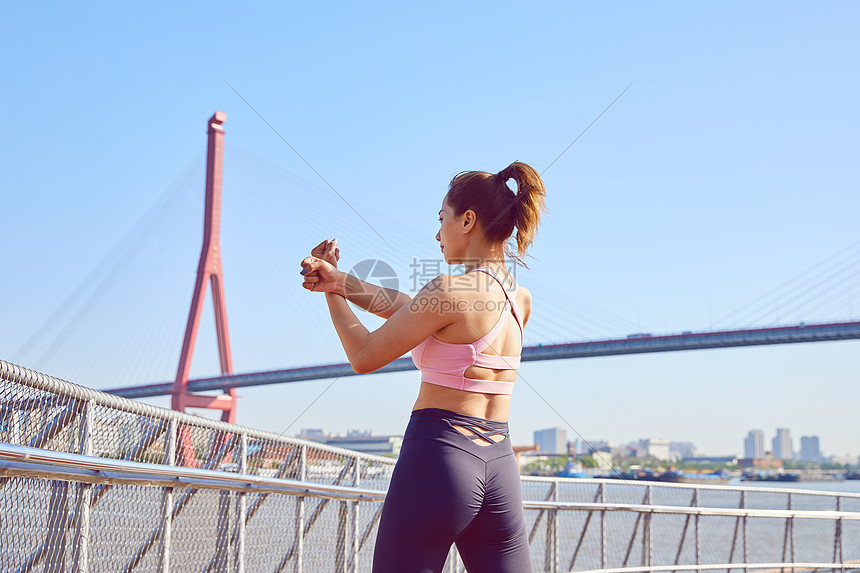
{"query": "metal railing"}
pixel 238 497
pixel 80 520
pixel 616 525
pixel 93 482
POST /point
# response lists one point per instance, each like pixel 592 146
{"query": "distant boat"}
pixel 573 470
pixel 673 477
pixel 766 476
pixel 680 477
pixel 644 475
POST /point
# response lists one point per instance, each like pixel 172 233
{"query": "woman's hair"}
pixel 498 208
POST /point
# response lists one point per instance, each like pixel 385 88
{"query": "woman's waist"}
pixel 455 428
pixel 490 407
pixel 456 418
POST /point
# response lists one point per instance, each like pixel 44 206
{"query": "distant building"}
pixel 782 449
pixel 313 433
pixel 682 450
pixel 653 448
pixel 358 440
pixel 844 459
pixel 765 463
pixel 376 445
pixel 603 459
pixel 551 441
pixel 754 445
pixel 359 433
pixel 809 449
pixel 584 448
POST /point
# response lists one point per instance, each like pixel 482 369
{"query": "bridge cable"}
pixel 304 160
pixel 768 294
pixel 101 273
pixel 807 291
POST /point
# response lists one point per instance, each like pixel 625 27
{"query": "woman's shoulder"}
pixel 451 287
pixel 442 290
pixel 464 285
pixel 524 301
pixel 525 293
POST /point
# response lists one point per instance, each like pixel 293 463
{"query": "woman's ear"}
pixel 469 218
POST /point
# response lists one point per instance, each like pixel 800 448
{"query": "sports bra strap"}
pixel 510 303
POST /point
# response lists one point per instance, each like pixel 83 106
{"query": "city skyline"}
pixel 557 443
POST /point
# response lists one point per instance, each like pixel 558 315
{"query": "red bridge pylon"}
pixel 208 269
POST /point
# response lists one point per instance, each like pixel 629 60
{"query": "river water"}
pixel 841 486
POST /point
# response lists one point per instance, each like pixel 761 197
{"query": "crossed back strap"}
pixel 482 428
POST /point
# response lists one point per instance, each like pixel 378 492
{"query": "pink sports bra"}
pixel 445 363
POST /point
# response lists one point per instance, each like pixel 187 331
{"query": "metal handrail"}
pixel 21 461
pixel 723 566
pixel 44 382
pixel 698 486
pixel 685 510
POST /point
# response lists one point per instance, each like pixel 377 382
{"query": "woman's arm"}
pixel 432 309
pixel 382 302
pixel 352 333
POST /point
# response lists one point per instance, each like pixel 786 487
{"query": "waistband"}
pixel 437 425
pixel 460 419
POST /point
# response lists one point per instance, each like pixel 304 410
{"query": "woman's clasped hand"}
pixel 320 269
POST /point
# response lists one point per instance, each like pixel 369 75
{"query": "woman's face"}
pixel 453 233
pixel 446 235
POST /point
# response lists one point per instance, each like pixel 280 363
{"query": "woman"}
pixel 456 480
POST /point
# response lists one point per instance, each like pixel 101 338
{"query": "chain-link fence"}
pixel 66 515
pixel 93 482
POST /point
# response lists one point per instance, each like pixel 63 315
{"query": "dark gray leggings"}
pixel 448 489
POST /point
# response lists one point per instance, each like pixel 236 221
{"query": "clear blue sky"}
pixel 729 168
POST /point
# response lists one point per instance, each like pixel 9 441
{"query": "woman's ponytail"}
pixel 499 209
pixel 529 202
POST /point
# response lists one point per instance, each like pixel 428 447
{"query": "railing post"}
pixel 221 446
pixel 241 506
pixel 787 537
pixel 746 532
pixel 841 535
pixel 84 497
pixel 646 532
pixel 342 535
pixel 791 531
pixel 356 533
pixel 551 552
pixel 58 506
pixel 841 528
pixel 696 528
pixel 300 511
pixel 602 497
pixel 837 536
pixel 167 497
